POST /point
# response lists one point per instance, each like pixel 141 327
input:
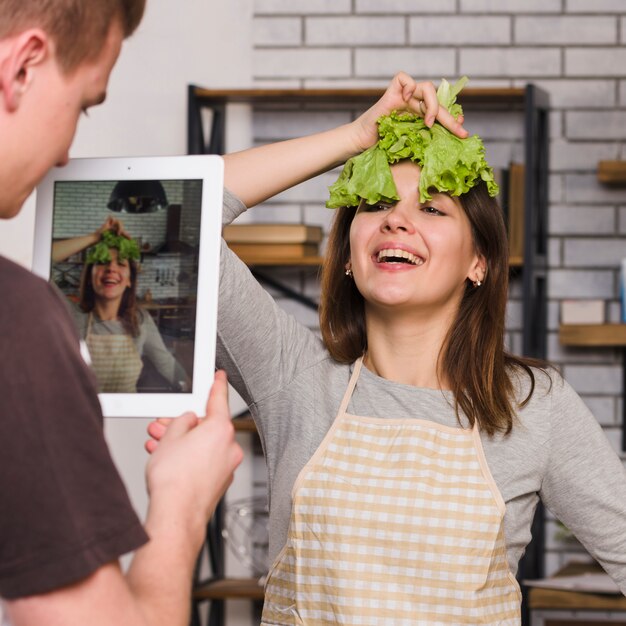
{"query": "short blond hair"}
pixel 78 27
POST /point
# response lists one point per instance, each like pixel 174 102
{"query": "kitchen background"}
pixel 574 49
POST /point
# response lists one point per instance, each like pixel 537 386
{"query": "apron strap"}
pixel 348 394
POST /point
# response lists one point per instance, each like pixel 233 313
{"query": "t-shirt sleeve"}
pixel 260 345
pixel 585 481
pixel 65 511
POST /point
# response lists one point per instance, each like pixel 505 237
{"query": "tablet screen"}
pixel 135 260
pixel 137 315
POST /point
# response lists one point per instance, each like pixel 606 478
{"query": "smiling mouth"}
pixel 395 255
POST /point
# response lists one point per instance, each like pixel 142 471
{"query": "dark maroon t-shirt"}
pixel 64 511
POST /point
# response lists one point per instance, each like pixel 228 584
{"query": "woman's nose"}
pixel 396 219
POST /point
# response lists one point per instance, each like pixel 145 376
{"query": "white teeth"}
pixel 399 254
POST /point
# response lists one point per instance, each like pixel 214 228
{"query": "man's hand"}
pixel 193 460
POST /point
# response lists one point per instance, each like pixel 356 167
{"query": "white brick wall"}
pixel 526 61
pixel 354 31
pixel 574 49
pixel 277 31
pixel 387 61
pixel 511 6
pixel 594 62
pixel 417 7
pixel 565 30
pixel 453 31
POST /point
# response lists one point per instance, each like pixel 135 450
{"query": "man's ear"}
pixel 23 54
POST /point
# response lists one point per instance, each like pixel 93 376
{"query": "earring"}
pixel 348 271
pixel 477 283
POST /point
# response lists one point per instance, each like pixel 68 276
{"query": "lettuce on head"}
pixel 127 249
pixel 449 164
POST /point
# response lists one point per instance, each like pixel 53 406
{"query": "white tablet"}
pixel 133 246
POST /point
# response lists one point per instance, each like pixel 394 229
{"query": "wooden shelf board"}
pixel 302 261
pixel 612 172
pixel 471 95
pixel 229 588
pixel 244 424
pixel 552 599
pixel 600 335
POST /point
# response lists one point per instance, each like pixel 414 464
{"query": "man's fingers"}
pixel 217 404
pixel 180 426
pixel 156 430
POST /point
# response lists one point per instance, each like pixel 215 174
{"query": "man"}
pixel 65 517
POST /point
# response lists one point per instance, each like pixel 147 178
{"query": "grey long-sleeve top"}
pixel 556 451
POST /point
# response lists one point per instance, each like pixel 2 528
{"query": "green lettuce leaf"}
pixel 126 248
pixel 449 164
pixel 366 176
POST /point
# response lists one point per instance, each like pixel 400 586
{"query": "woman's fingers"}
pixel 424 102
pixel 455 126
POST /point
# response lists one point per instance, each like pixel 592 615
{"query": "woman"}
pixel 117 332
pixel 406 450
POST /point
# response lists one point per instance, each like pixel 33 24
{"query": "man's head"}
pixel 77 27
pixel 56 57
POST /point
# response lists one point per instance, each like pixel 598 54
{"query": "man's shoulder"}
pixel 30 302
pixel 19 281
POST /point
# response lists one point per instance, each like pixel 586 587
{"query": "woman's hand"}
pixel 404 93
pixel 114 224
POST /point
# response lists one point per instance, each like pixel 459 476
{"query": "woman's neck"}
pixel 406 349
pixel 107 310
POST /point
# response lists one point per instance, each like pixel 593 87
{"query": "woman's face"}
pixel 411 254
pixel 110 280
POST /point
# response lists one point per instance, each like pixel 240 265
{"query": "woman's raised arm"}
pixel 65 248
pixel 259 173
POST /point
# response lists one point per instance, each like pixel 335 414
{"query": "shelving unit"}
pixel 561 608
pixel 612 172
pixel 532 263
pixel 600 336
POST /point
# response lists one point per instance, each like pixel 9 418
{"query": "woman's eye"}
pixel 379 206
pixel 431 210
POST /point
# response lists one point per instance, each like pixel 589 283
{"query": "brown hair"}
pixel 128 313
pixel 78 27
pixel 472 357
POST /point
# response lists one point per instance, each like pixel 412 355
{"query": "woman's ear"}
pixel 21 56
pixel 478 270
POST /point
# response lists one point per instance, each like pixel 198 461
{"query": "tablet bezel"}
pixel 209 169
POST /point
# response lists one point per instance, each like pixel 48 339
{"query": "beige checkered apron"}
pixel 394 521
pixel 115 361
